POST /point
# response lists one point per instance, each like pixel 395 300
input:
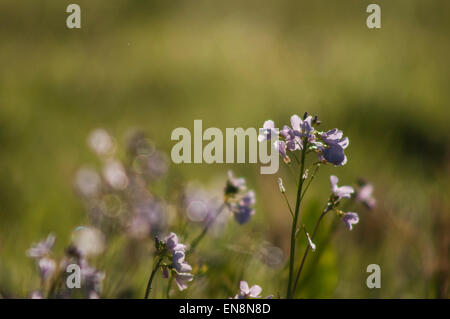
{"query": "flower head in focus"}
pixel 172 244
pixel 329 145
pixel 173 255
pixel 331 150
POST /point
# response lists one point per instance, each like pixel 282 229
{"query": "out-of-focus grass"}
pixel 159 65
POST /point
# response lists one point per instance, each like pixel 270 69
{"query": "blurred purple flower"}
pixel 350 219
pixel 234 185
pixel 243 210
pixel 92 279
pixel 47 267
pixel 340 192
pixel 148 217
pixel 101 142
pixel 364 195
pixel 42 248
pixel 242 214
pixel 88 182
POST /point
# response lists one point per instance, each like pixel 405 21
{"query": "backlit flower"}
pixel 249 292
pixel 267 131
pixel 340 192
pixel 182 279
pixel 350 219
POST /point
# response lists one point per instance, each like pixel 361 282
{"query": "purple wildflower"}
pixel 179 263
pixel 234 185
pixel 333 150
pixel 281 147
pixel 92 279
pixel 243 210
pixel 172 244
pixel 239 202
pixel 243 214
pixel 267 131
pixel 293 141
pixel 182 279
pixel 364 195
pixel 47 267
pixel 247 292
pixel 303 128
pixel 350 219
pixel 340 192
pixel 42 248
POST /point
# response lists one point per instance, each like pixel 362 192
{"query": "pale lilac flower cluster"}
pixel 238 199
pixel 175 252
pixel 329 145
pixel 118 198
pixel 53 272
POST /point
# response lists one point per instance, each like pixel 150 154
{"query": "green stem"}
pixel 326 210
pixel 294 222
pixel 204 231
pixel 169 285
pixel 289 205
pixel 149 284
pixel 310 181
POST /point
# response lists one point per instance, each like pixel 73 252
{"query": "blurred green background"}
pixel 158 65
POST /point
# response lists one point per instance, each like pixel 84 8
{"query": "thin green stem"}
pixel 204 231
pixel 169 286
pixel 296 158
pixel 326 210
pixel 289 205
pixel 295 220
pixel 310 181
pixel 149 284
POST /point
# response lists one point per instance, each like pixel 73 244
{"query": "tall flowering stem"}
pixel 149 284
pixel 295 221
pixel 326 210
